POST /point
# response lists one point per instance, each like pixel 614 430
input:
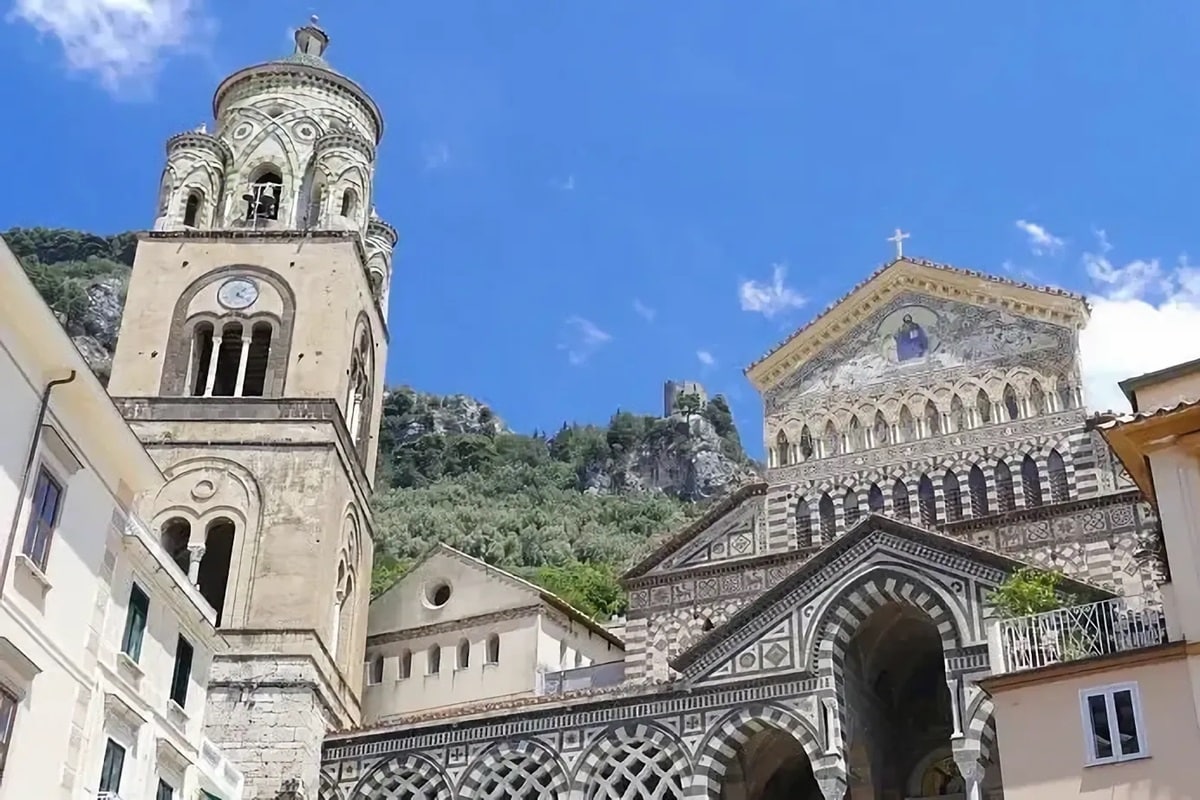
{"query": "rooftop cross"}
pixel 899 238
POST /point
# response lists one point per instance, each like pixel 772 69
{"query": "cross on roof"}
pixel 899 238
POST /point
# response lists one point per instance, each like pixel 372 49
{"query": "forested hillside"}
pixel 568 509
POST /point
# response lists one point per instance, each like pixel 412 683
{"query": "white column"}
pixel 241 376
pixel 212 366
pixel 355 415
pixel 337 620
pixel 195 556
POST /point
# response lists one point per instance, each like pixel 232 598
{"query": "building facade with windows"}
pixel 105 644
pixel 1103 700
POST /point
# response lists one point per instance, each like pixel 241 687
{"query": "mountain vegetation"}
pixel 568 510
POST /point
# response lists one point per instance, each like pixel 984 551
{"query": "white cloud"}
pixel 1143 320
pixel 121 42
pixel 565 185
pixel 583 339
pixel 771 298
pixel 1041 241
pixel 644 311
pixel 435 155
pixel 705 358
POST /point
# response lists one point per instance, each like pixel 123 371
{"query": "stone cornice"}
pixel 716 569
pixel 925 277
pixel 1042 512
pixel 299 237
pixel 476 621
pixel 190 140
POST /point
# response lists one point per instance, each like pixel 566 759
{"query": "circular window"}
pixel 437 594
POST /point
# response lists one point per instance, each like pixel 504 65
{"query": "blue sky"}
pixel 593 197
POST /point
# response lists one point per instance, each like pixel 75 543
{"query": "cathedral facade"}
pixel 817 635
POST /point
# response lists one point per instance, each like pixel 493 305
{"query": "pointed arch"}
pixel 1056 470
pixel 983 407
pixel 832 444
pixel 855 435
pixel 901 506
pixel 851 512
pixel 933 419
pixel 360 393
pixel 880 430
pixel 875 499
pixel 782 449
pixel 1037 398
pixel 806 443
pixel 1011 407
pixel 804 524
pixel 520 768
pixel 828 518
pixel 1031 482
pixel 977 485
pixel 735 729
pixel 958 414
pixel 463 653
pixel 952 494
pixel 927 502
pixel 1006 498
pixel 908 425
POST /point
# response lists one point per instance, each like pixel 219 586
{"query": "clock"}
pixel 237 293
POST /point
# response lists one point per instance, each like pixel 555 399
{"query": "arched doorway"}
pixel 894 684
pixel 769 765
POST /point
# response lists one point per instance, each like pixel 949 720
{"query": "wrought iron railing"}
pixel 1077 632
pixel 595 676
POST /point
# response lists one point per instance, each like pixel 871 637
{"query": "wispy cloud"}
pixel 121 43
pixel 644 311
pixel 769 299
pixel 1141 319
pixel 582 339
pixel 1041 241
pixel 566 184
pixel 705 358
pixel 435 155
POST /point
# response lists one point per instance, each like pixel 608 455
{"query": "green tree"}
pixel 1029 591
pixel 688 404
pixel 592 588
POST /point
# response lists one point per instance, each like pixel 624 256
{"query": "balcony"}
pixel 1075 633
pixel 597 676
pixel 219 778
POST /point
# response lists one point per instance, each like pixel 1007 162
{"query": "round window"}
pixel 437 594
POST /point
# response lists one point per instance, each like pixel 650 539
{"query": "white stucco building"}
pixel 105 644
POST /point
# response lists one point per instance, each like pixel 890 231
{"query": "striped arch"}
pixel 328 789
pixel 720 747
pixel 650 761
pixel 404 777
pixel 522 769
pixel 979 727
pixel 864 594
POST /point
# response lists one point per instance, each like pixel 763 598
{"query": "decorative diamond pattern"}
pixel 640 770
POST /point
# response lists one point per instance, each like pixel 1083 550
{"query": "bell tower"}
pixel 251 364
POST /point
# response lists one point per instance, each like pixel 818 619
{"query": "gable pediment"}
pixel 879 561
pixel 913 316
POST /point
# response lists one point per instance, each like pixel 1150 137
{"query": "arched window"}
pixel 908 426
pixel 1031 482
pixel 375 675
pixel 953 496
pixel 1066 395
pixel 464 654
pixel 1011 407
pixel 804 530
pixel 1006 497
pixel 312 211
pixel 493 649
pixel 851 513
pixel 229 359
pixel 433 660
pixel 927 502
pixel 405 663
pixel 856 435
pixel 359 394
pixel 262 201
pixel 983 407
pixel 349 203
pixel 202 353
pixel 344 638
pixel 191 209
pixel 901 506
pixel 806 443
pixel 933 419
pixel 1037 398
pixel 977 484
pixel 176 532
pixel 958 414
pixel 213 580
pixel 1057 472
pixel 880 427
pixel 875 499
pixel 254 374
pixel 833 442
pixel 828 518
pixel 782 449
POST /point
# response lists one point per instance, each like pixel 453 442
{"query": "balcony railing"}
pixel 1074 633
pixel 572 680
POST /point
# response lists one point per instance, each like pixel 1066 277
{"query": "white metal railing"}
pixel 107 795
pixel 572 680
pixel 1076 632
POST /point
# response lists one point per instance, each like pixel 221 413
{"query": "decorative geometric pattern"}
pixel 721 747
pixel 522 770
pixel 634 762
pixel 328 789
pixel 407 777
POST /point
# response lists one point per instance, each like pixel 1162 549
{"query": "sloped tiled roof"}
pixel 1053 290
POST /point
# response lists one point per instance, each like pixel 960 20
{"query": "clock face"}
pixel 237 293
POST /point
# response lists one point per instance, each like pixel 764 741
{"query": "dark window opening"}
pixel 229 358
pixel 256 360
pixel 828 518
pixel 262 201
pixel 182 674
pixel 43 518
pixel 1011 406
pixel 191 211
pixel 214 567
pixel 804 527
pixel 464 654
pixel 348 202
pixel 135 622
pixel 110 770
pixel 493 649
pixel 376 671
pixel 875 499
pixel 977 485
pixel 953 495
pixel 901 506
pixel 927 502
pixel 8 718
pixel 202 353
pixel 1006 497
pixel 1031 482
pixel 1057 469
pixel 176 533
